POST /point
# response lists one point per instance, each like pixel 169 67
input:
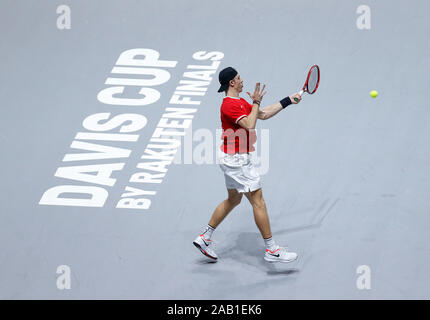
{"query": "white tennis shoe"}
pixel 205 246
pixel 280 254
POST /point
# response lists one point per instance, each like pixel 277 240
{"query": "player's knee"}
pixel 259 204
pixel 258 201
pixel 235 200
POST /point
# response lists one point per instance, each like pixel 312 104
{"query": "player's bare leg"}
pixel 203 242
pixel 224 208
pixel 260 212
pixel 274 253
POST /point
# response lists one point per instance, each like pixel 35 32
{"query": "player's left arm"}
pixel 270 111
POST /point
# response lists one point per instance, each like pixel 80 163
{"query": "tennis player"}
pixel 238 119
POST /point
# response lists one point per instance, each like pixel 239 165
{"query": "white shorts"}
pixel 239 172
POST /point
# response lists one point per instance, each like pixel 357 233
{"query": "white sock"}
pixel 270 244
pixel 207 232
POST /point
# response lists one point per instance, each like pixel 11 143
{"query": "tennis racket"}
pixel 312 81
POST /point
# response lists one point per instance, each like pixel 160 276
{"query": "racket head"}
pixel 313 80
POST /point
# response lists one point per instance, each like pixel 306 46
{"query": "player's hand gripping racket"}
pixel 312 81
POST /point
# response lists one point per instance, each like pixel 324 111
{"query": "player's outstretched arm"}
pixel 270 111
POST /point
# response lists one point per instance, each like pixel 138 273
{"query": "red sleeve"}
pixel 249 105
pixel 234 112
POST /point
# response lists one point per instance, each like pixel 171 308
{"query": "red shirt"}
pixel 236 139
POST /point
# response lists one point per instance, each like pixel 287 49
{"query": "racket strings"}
pixel 313 80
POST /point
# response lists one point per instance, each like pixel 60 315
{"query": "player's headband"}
pixel 225 76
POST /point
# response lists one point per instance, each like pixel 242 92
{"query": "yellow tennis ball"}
pixel 373 93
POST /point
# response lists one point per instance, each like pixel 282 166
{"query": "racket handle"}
pixel 300 93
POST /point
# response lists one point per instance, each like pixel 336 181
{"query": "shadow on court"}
pixel 247 251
